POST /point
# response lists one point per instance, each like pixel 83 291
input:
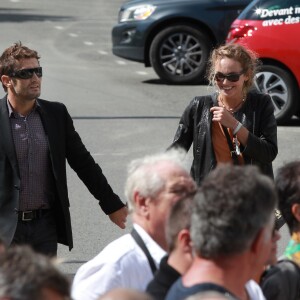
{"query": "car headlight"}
pixel 137 13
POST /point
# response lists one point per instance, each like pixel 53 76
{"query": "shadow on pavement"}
pixel 24 15
pixel 122 117
pixel 292 122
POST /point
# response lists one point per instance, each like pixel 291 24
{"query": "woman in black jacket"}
pixel 234 125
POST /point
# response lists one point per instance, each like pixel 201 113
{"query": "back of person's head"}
pixel 233 205
pixel 179 219
pixel 26 275
pixel 9 60
pixel 145 174
pixel 287 183
pixel 125 294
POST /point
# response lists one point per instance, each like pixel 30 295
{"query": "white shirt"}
pixel 254 290
pixel 121 263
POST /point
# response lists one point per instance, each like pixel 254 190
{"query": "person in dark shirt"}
pixel 282 280
pixel 235 124
pixel 179 258
pixel 37 137
pixel 231 230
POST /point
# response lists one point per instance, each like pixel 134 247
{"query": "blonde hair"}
pixel 246 57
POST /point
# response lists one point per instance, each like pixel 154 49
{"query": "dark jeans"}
pixel 39 233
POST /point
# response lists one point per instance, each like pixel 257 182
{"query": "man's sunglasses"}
pixel 27 73
pixel 233 77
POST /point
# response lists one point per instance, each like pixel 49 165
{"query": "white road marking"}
pixel 142 73
pixel 102 52
pixel 121 62
pixel 88 43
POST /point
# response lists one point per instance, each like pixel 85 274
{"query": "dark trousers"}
pixel 39 233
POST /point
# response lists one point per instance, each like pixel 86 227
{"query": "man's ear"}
pixel 6 80
pixel 258 241
pixel 141 204
pixel 296 211
pixel 184 240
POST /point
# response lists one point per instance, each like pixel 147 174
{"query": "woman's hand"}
pixel 222 115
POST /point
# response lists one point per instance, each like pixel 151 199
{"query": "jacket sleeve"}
pixel 184 134
pixel 82 162
pixel 262 139
pixel 282 281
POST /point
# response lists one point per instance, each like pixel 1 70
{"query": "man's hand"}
pixel 119 217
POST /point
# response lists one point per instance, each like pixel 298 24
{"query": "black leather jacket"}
pixel 257 115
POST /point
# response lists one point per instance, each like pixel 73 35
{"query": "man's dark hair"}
pixel 9 60
pixel 24 275
pixel 233 204
pixel 287 183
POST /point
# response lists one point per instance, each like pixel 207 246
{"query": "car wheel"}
pixel 179 54
pixel 282 88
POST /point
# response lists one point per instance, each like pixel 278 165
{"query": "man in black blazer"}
pixel 36 139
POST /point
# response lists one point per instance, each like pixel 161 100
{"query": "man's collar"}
pixel 12 112
pixel 155 250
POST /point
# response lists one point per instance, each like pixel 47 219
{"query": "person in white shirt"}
pixel 254 291
pixel 154 184
pixel 125 294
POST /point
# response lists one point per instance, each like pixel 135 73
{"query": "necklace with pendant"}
pixel 233 109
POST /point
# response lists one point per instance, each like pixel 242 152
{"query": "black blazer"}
pixel 64 144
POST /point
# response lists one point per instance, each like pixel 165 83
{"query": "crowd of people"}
pixel 206 233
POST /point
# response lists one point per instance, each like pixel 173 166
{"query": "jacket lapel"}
pixel 6 139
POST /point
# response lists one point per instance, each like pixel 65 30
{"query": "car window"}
pixel 284 11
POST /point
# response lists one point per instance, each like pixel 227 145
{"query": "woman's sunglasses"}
pixel 233 77
pixel 27 73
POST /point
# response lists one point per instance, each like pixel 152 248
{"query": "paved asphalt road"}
pixel 120 109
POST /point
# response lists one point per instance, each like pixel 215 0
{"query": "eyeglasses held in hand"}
pixel 27 73
pixel 233 77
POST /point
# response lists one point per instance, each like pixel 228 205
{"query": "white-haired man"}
pixel 154 184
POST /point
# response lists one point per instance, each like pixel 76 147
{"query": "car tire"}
pixel 282 87
pixel 179 54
